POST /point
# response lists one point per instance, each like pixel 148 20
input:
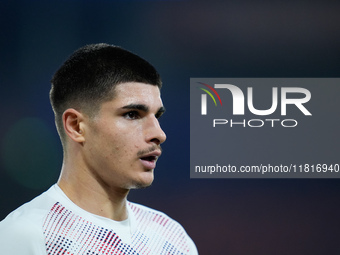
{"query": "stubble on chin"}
pixel 140 184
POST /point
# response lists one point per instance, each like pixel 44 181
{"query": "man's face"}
pixel 122 142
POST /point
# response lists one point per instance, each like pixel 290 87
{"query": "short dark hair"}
pixel 88 78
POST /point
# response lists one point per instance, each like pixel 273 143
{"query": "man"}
pixel 107 103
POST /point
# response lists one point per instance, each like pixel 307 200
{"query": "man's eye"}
pixel 132 115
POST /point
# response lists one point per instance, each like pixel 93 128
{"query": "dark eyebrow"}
pixel 140 107
pixel 144 108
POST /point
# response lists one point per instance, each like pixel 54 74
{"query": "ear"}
pixel 73 121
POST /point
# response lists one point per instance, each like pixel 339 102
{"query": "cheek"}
pixel 123 144
pixel 122 139
pixel 128 133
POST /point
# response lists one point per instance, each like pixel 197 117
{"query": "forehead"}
pixel 135 92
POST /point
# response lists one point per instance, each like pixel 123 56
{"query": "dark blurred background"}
pixel 182 39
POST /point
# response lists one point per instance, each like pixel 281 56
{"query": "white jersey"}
pixel 52 224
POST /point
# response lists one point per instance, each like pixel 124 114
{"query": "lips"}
pixel 149 160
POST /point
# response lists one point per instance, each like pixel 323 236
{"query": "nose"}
pixel 155 133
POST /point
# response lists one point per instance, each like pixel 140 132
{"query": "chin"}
pixel 144 181
pixel 141 186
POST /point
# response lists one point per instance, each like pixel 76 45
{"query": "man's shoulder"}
pixel 32 211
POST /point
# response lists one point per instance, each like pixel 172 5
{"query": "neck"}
pixel 92 195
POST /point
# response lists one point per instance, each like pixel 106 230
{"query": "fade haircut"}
pixel 88 78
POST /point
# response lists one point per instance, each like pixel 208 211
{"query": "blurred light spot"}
pixel 30 154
